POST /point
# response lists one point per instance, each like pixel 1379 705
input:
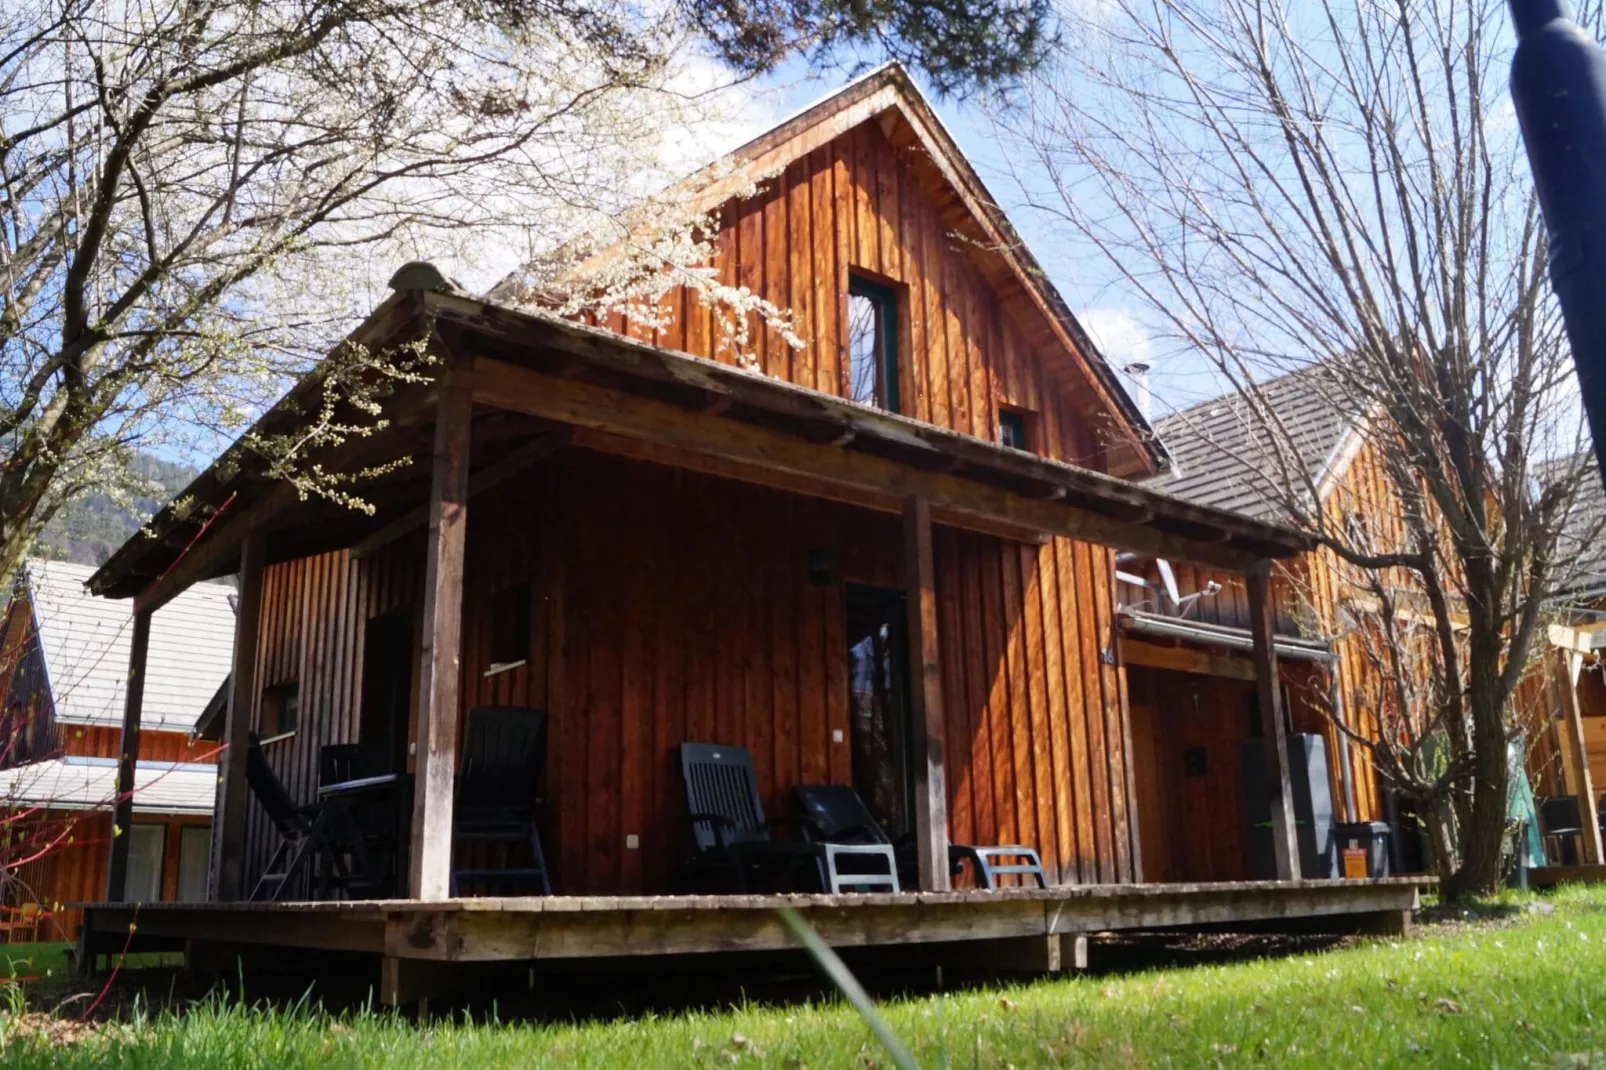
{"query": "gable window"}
pixel 872 344
pixel 1014 428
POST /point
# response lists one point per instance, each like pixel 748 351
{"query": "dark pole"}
pixel 1558 84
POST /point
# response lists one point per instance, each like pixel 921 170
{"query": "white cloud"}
pixel 1118 334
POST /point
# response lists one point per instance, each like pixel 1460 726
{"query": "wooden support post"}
pixel 1335 698
pixel 127 757
pixel 1285 845
pixel 1580 781
pixel 227 873
pixel 429 877
pixel 925 679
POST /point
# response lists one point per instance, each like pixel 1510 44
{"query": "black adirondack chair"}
pixel 727 819
pixel 315 840
pixel 498 793
pixel 833 813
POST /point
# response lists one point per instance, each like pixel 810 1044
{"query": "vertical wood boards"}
pixel 926 708
pixel 675 606
pixel 1274 737
pixel 431 855
pixel 226 875
pixel 855 205
pixel 123 807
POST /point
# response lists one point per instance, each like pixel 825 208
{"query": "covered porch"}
pixel 684 551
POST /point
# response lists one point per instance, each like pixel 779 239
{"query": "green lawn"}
pixel 1526 992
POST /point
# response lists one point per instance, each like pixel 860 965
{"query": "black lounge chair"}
pixel 837 819
pixel 727 819
pixel 498 791
pixel 317 835
pixel 835 814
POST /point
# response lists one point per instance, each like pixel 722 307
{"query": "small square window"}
pixel 281 707
pixel 1013 426
pixel 872 344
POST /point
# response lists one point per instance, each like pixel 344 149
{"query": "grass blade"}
pixel 837 970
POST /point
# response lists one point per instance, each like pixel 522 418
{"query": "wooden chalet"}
pixel 1568 757
pixel 1185 630
pixel 63 655
pixel 618 525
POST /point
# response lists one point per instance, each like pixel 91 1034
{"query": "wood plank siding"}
pixel 861 206
pixel 671 605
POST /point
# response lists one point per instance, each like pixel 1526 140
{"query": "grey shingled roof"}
pixel 85 641
pixel 1223 456
pixel 1581 555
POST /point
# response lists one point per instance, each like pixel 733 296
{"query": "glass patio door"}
pixel 878 658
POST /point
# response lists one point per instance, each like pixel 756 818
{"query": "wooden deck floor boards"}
pixel 534 928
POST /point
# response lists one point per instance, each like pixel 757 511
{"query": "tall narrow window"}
pixel 872 344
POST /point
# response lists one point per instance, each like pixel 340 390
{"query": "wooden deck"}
pixel 408 933
pixel 1550 876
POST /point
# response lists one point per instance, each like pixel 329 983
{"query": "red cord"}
pixel 107 987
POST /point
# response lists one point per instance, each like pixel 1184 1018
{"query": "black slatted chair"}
pixel 858 854
pixel 727 819
pixel 1561 821
pixel 835 813
pixel 313 840
pixel 342 762
pixel 498 793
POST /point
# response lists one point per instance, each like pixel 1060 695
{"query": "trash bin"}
pixel 1363 849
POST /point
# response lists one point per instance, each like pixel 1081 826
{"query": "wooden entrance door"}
pixel 1188 732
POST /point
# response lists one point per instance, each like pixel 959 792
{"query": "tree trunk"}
pixel 1483 837
pixel 1439 816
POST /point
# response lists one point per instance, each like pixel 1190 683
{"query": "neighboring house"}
pixel 63 669
pixel 887 562
pixel 1568 756
pixel 1185 637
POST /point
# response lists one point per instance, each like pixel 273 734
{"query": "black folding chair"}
pixel 498 792
pixel 727 819
pixel 1561 821
pixel 316 835
pixel 836 813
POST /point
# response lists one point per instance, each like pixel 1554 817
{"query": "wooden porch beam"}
pixel 216 550
pixel 521 458
pixel 1285 844
pixel 926 712
pixel 1136 651
pixel 429 877
pixel 1564 668
pixel 227 873
pixel 809 486
pixel 506 386
pixel 127 756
